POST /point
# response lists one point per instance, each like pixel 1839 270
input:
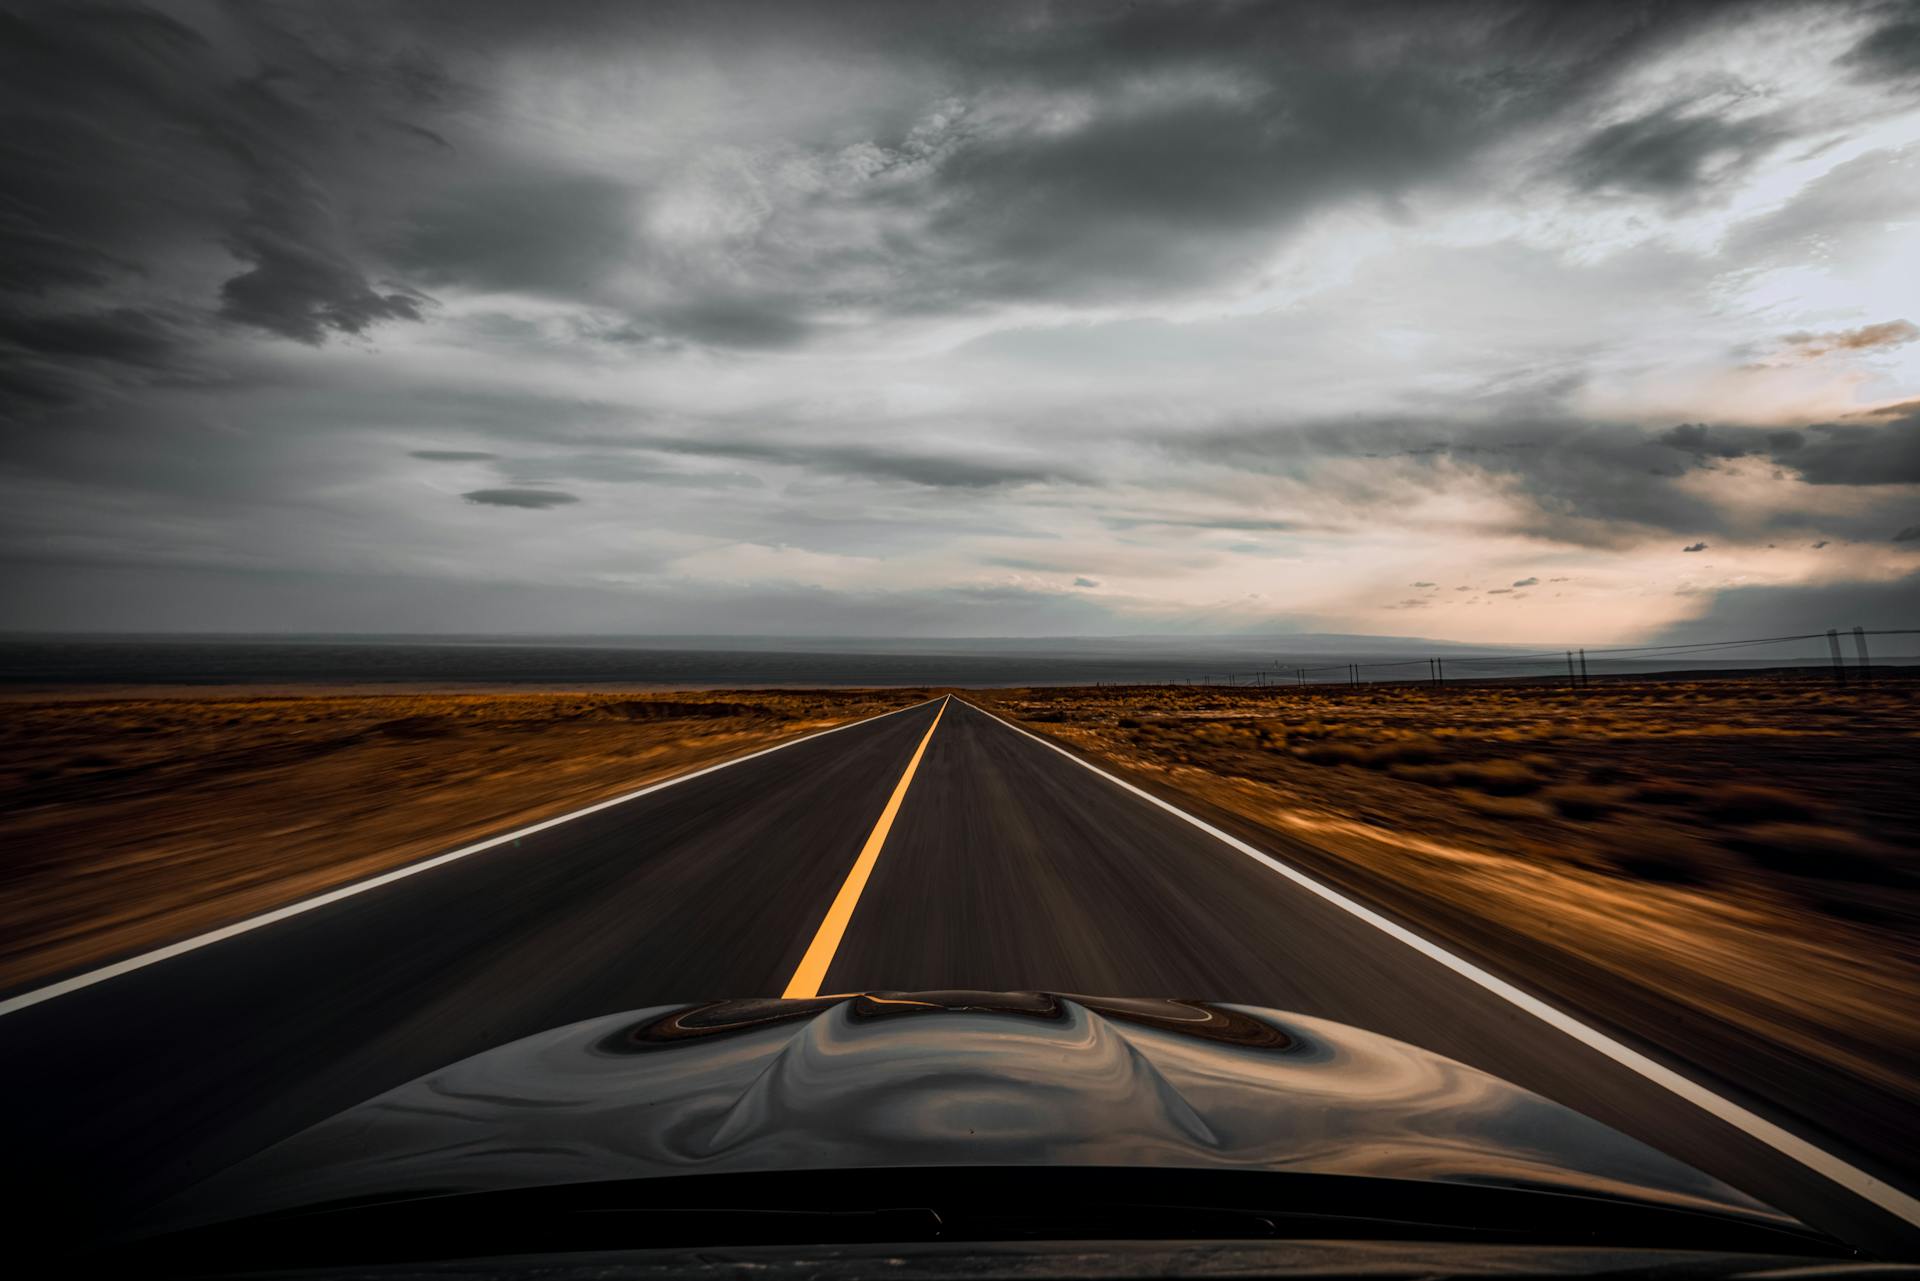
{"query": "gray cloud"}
pixel 935 471
pixel 1672 152
pixel 537 499
pixel 1086 582
pixel 1592 483
pixel 1888 333
pixel 1908 535
pixel 542 233
pixel 667 250
pixel 1249 525
pixel 1877 447
pixel 1889 52
pixel 1694 547
pixel 67 597
pixel 1198 137
pixel 1700 441
pixel 1811 608
pixel 1881 447
pixel 148 157
pixel 125 335
pixel 1526 582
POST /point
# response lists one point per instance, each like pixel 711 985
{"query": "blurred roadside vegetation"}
pixel 1747 846
pixel 132 821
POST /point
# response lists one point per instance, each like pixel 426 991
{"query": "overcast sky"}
pixel 1492 321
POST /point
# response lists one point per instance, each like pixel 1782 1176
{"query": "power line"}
pixel 1350 672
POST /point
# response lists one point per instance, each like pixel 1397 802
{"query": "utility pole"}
pixel 1583 669
pixel 1573 682
pixel 1860 645
pixel 1839 664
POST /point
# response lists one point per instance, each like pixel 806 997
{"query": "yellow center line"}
pixel 826 940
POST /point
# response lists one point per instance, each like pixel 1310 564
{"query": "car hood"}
pixel 949 1079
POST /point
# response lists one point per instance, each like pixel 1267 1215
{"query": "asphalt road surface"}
pixel 891 854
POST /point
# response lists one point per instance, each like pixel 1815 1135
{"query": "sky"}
pixel 1483 322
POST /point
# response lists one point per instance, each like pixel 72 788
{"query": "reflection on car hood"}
pixel 943 1079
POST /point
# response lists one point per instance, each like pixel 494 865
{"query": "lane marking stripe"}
pixel 812 973
pixel 144 959
pixel 1855 1180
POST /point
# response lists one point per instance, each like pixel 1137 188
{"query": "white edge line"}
pixel 64 986
pixel 1856 1181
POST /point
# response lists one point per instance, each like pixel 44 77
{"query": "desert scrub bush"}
pixel 1578 802
pixel 1746 803
pixel 1666 858
pixel 1334 754
pixel 1497 777
pixel 1415 750
pixel 1505 807
pixel 1831 853
pixel 1664 793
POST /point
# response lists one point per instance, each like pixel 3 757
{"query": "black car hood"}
pixel 949 1079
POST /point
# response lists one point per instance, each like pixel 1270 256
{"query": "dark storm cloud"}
pixel 1201 134
pixel 1590 483
pixel 731 322
pixel 1694 547
pixel 1288 109
pixel 715 201
pixel 537 499
pixel 1593 484
pixel 1877 448
pixel 335 163
pixel 124 335
pixel 300 287
pixel 1672 152
pixel 1787 611
pixel 1700 440
pixel 545 233
pixel 199 163
pixel 1889 52
pixel 935 471
pixel 1908 535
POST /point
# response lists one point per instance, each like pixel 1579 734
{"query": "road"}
pixel 934 847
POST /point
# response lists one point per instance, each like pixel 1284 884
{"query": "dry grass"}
pixel 133 821
pixel 1748 846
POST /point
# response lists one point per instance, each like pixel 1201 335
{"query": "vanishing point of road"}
pixel 935 847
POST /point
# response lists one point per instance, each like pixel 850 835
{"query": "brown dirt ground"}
pixel 1747 847
pixel 133 820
